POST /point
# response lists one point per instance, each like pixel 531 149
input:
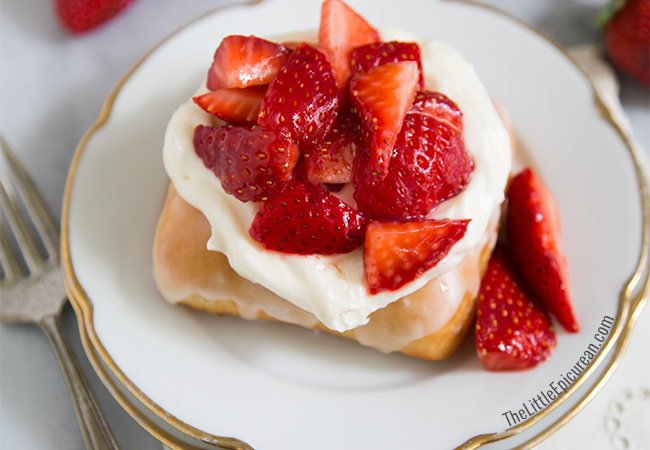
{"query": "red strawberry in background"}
pixel 627 37
pixel 302 100
pixel 307 219
pixel 252 164
pixel 512 333
pixel 396 253
pixel 533 228
pixel 79 16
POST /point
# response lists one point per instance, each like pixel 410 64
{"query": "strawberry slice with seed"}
pixel 341 30
pixel 251 163
pixel 367 56
pixel 440 107
pixel 242 61
pixel 396 253
pixel 235 106
pixel 306 219
pixel 429 165
pixel 302 100
pixel 534 233
pixel 381 97
pixel 332 160
pixel 512 332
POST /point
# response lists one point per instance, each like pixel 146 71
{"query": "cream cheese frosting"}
pixel 332 287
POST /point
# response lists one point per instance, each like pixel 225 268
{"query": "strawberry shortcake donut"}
pixel 349 180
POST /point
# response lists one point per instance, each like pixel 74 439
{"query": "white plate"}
pixel 275 386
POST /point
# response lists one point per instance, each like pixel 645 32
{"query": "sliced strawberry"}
pixel 512 332
pixel 381 97
pixel 396 253
pixel 342 29
pixel 440 107
pixel 365 57
pixel 429 165
pixel 242 61
pixel 235 106
pixel 534 233
pixel 306 219
pixel 80 16
pixel 292 45
pixel 252 164
pixel 302 100
pixel 332 160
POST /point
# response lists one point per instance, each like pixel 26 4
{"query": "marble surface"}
pixel 52 86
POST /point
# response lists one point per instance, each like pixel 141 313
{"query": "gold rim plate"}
pixel 195 381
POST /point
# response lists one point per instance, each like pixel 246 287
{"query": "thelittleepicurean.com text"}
pixel 560 385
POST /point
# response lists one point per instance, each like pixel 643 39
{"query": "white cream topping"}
pixel 333 287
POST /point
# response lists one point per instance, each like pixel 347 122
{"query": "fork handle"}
pixel 95 432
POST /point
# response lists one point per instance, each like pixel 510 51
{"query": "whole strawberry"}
pixel 79 16
pixel 627 38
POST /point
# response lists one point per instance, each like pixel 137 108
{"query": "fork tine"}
pixel 17 225
pixel 8 262
pixel 38 211
pixel 16 187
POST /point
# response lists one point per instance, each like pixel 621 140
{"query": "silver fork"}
pixel 31 285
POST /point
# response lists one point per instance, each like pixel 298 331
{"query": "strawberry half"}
pixel 429 165
pixel 306 219
pixel 242 61
pixel 368 56
pixel 440 107
pixel 79 16
pixel 235 106
pixel 512 332
pixel 342 29
pixel 302 100
pixel 381 97
pixel 396 253
pixel 252 164
pixel 534 232
pixel 332 160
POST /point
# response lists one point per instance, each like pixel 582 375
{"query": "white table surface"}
pixel 52 87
